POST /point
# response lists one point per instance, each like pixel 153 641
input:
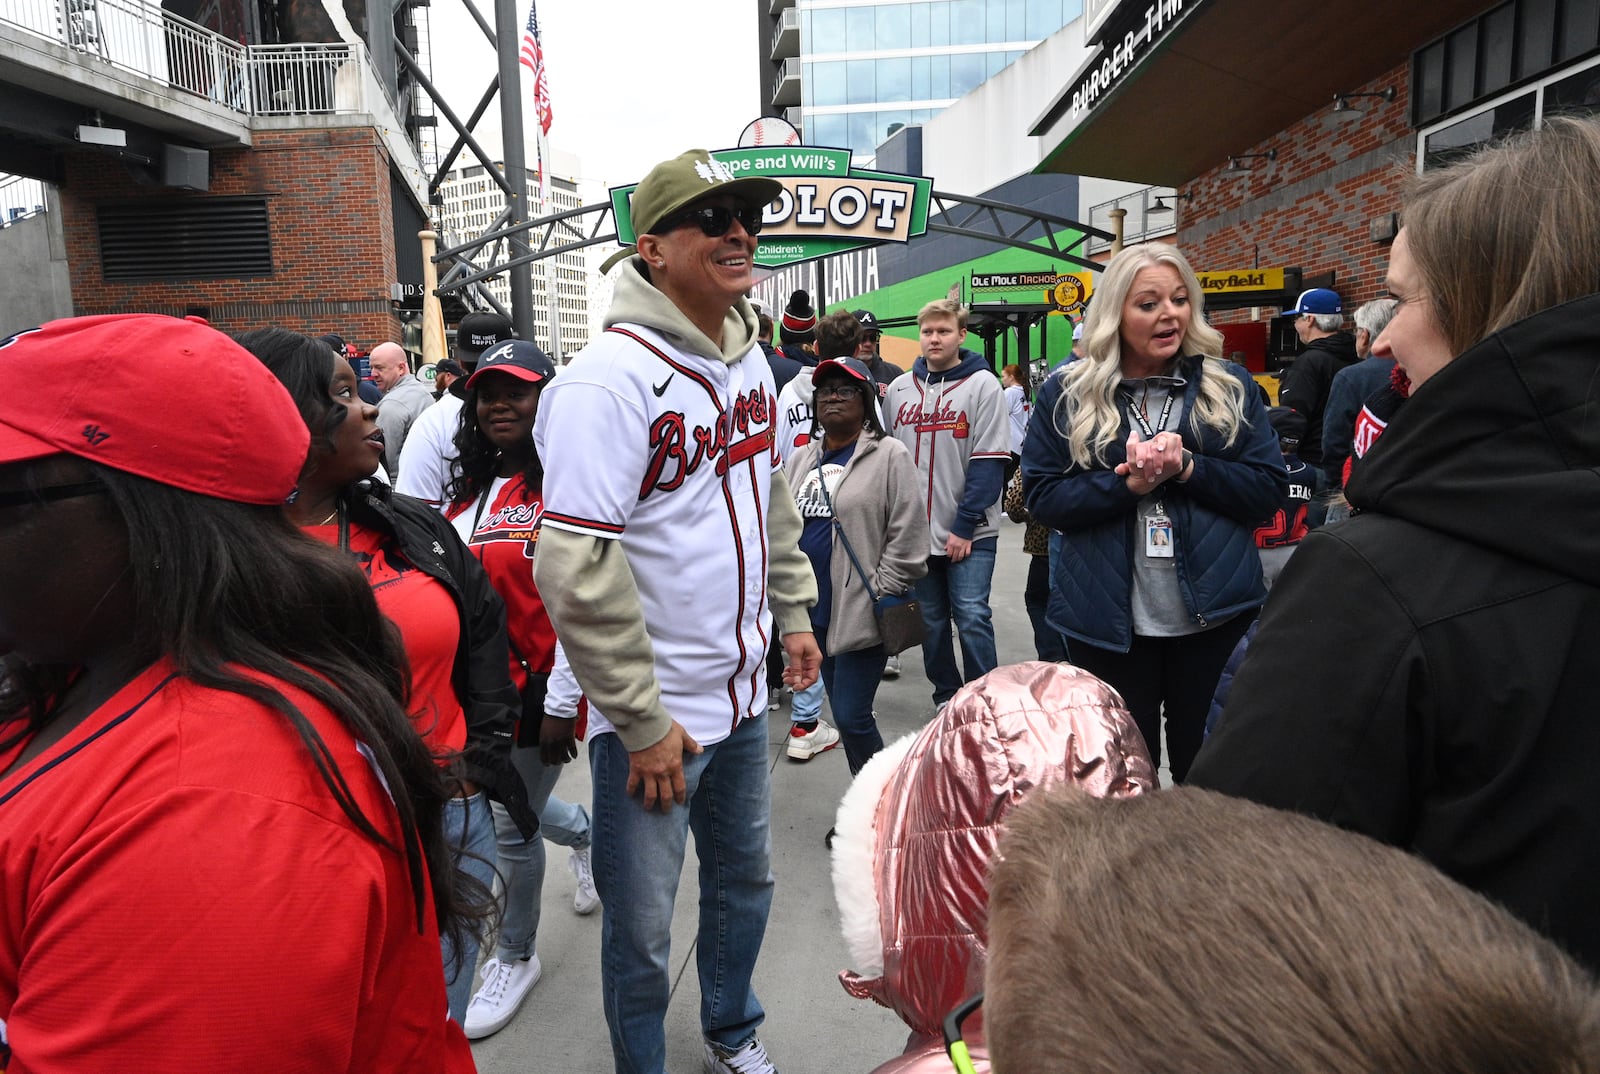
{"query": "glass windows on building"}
pixel 1570 90
pixel 869 66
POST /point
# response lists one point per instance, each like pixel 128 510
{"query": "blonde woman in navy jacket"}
pixel 1153 461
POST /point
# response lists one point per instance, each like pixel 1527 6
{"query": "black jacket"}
pixel 1307 383
pixel 481 679
pixel 1444 641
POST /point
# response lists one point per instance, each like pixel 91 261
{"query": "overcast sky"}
pixel 632 82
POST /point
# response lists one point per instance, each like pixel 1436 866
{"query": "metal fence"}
pixel 138 36
pixel 1140 223
pixel 20 198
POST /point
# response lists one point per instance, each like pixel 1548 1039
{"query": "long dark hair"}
pixel 225 586
pixel 301 364
pixel 478 461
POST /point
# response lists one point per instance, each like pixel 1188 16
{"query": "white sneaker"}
pixel 805 745
pixel 587 899
pixel 891 670
pixel 750 1059
pixel 505 986
pixel 774 698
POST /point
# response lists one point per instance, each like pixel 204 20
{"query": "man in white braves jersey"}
pixel 669 531
pixel 949 410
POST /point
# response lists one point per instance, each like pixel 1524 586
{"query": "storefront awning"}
pixel 1227 75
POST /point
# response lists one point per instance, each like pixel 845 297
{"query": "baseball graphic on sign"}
pixel 769 130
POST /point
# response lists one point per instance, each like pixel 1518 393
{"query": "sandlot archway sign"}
pixel 826 207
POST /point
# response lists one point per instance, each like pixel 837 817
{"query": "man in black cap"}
pixel 867 350
pixel 430 448
pixel 448 375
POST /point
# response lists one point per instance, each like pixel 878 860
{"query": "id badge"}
pixel 1158 537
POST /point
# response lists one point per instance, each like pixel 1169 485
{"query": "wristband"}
pixel 1188 461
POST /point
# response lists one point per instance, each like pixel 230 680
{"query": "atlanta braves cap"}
pixel 854 368
pixel 688 177
pixel 477 332
pixel 1318 300
pixel 247 444
pixel 869 323
pixel 517 358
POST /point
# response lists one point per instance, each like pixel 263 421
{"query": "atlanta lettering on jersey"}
pixel 676 451
pixel 944 418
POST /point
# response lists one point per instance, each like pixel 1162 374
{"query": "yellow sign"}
pixel 1217 283
pixel 1071 292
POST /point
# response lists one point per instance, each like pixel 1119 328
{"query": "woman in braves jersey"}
pixel 221 843
pixel 451 622
pixel 495 505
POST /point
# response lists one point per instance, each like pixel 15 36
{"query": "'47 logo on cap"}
pixel 95 435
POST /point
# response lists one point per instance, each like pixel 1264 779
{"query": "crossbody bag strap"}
pixel 851 552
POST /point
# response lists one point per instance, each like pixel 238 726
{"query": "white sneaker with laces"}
pixel 774 698
pixel 751 1058
pixel 891 670
pixel 505 986
pixel 805 745
pixel 586 899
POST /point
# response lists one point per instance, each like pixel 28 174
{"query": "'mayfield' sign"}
pixel 1241 280
pixel 826 207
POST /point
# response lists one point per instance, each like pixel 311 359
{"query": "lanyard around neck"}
pixel 1136 411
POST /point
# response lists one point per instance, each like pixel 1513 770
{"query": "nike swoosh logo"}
pixel 659 389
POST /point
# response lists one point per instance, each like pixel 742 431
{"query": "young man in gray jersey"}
pixel 950 412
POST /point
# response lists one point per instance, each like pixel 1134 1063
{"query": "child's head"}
pixel 1290 426
pixel 944 309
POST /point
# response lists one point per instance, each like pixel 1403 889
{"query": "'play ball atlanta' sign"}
pixel 826 206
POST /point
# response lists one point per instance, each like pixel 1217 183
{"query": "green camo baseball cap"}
pixel 684 179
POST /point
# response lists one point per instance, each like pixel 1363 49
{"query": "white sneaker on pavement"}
pixel 505 986
pixel 749 1059
pixel 805 745
pixel 774 698
pixel 586 899
pixel 891 670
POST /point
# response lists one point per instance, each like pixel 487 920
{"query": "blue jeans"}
pixel 852 681
pixel 522 863
pixel 469 829
pixel 638 856
pixel 958 592
pixel 807 704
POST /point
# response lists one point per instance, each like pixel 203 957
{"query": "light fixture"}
pixel 1345 112
pixel 1236 167
pixel 1161 205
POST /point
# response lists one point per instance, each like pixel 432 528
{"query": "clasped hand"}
pixel 1151 462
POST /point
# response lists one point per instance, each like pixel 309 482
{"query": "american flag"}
pixel 533 60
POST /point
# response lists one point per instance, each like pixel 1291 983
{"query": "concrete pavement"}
pixel 812 1024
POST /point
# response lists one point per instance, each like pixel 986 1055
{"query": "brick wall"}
pixel 331 226
pixel 1314 204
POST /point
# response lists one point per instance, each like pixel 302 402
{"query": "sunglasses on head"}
pixel 714 220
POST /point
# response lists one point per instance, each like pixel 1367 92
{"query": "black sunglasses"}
pixel 51 493
pixel 714 220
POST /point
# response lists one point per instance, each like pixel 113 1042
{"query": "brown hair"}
pixel 1511 230
pixel 837 335
pixel 1188 930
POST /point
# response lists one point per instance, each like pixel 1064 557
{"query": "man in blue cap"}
pixel 1319 322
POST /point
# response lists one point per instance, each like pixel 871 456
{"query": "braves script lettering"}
pixel 676 451
pixel 944 418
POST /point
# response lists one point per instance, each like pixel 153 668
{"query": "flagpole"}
pixel 508 30
pixel 552 270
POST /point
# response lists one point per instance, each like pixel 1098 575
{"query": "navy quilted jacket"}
pixel 1233 490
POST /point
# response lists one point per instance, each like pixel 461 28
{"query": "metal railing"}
pixel 263 80
pixel 20 198
pixel 1140 223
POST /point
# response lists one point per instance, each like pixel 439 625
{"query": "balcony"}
pixel 786 38
pixel 787 91
pixel 1143 220
pixel 779 5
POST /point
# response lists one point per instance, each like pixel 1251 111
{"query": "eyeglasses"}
pixel 954 1046
pixel 713 220
pixel 842 391
pixel 50 493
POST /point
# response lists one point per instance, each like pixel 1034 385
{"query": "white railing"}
pixel 263 80
pixel 20 198
pixel 1140 223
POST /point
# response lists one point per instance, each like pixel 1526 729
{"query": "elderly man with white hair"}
pixel 1352 386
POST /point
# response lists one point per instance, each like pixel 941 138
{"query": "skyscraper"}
pixel 847 72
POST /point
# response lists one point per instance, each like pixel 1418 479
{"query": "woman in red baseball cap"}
pixel 451 622
pixel 220 840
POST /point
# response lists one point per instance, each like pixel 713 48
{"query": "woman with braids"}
pixel 1154 462
pixel 495 504
pixel 221 842
pixel 451 623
